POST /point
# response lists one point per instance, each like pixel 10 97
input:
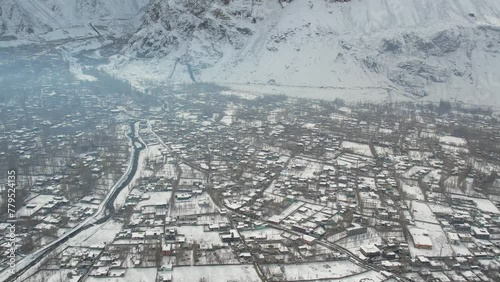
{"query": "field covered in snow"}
pixel 413 192
pixel 216 273
pixel 422 212
pixel 317 270
pixel 131 274
pixel 484 205
pixel 269 233
pixel 440 245
pixel 357 148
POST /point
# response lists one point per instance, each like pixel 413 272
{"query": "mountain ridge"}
pixel 432 49
pixel 380 49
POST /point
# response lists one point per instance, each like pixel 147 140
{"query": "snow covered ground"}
pixel 357 148
pixel 50 276
pixel 196 234
pixel 309 167
pixel 440 245
pixel 62 19
pixel 289 210
pixel 318 270
pixel 269 233
pixel 216 273
pixel 410 173
pixel 422 212
pixel 454 186
pixel 196 205
pixel 131 274
pixel 454 149
pixel 413 192
pixel 384 151
pixel 34 204
pixel 155 198
pixel 76 69
pixel 353 243
pixel 439 208
pixel 418 155
pixel 484 205
pixel 105 233
pixel 454 141
pixel 150 152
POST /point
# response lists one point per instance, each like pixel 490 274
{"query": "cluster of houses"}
pixel 65 151
pixel 226 180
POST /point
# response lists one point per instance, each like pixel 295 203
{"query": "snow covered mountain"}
pixel 54 19
pixel 375 49
pixel 414 48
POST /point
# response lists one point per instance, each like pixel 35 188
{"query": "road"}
pixel 104 212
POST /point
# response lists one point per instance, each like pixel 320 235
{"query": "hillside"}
pixel 412 48
pixel 38 20
pixel 376 50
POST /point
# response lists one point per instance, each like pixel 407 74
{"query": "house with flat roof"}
pixel 480 233
pixel 421 239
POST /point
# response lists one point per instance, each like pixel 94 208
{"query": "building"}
pixel 391 265
pixel 465 237
pixel 275 219
pixel 308 239
pixel 165 277
pixel 230 236
pixel 167 249
pixel 480 233
pixel 356 229
pixel 153 233
pixel 370 250
pixel 421 239
pixel 300 228
pixel 453 238
pixel 183 196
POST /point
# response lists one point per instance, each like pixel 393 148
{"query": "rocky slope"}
pixel 54 19
pixel 416 48
pixel 375 49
